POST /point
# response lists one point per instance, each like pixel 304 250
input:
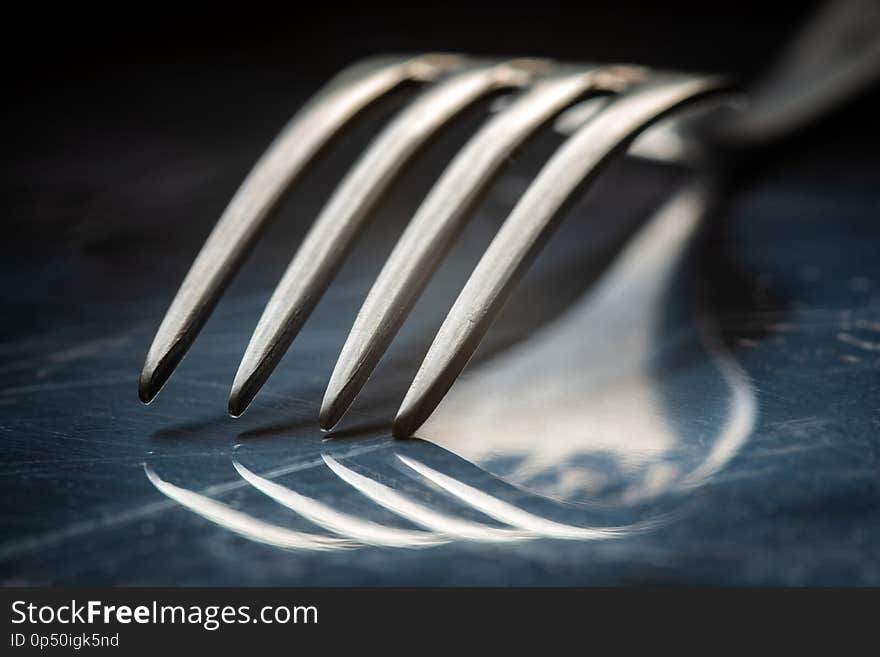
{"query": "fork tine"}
pixel 435 226
pixel 328 240
pixel 521 236
pixel 238 228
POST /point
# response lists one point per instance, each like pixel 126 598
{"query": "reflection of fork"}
pixel 633 99
pixel 437 526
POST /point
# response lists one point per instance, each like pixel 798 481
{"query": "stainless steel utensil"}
pixel 834 57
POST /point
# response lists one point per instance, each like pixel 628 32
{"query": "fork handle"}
pixel 835 57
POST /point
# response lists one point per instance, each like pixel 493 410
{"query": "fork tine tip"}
pixel 152 378
pixel 329 415
pixel 145 392
pixel 255 367
pixel 406 423
pixel 240 398
pixel 338 397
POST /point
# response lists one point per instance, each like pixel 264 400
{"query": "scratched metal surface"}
pixel 101 229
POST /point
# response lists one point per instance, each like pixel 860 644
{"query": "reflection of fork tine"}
pixel 347 525
pixel 242 523
pixel 327 243
pixel 512 515
pixel 525 231
pixel 420 514
pixel 233 236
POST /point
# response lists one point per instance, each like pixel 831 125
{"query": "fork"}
pixel 629 100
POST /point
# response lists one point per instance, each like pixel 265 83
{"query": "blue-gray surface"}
pixel 102 230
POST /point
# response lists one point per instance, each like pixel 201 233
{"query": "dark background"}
pixel 67 60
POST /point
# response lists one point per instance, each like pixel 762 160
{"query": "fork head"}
pixel 633 98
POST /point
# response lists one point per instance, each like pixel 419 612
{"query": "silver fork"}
pixel 635 97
